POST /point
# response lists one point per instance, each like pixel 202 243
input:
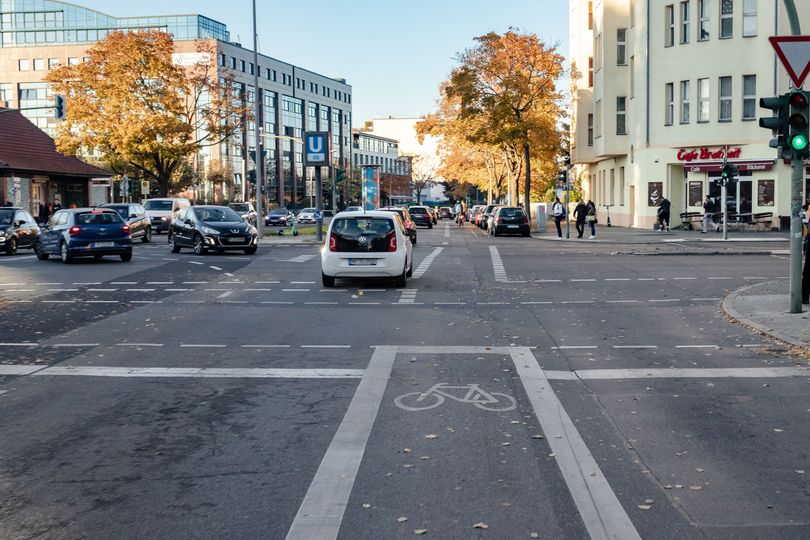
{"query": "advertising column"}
pixel 371 187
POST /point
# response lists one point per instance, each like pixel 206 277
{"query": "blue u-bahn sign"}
pixel 316 148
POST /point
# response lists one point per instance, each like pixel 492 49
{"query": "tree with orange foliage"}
pixel 140 110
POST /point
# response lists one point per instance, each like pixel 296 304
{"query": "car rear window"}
pixel 417 210
pixel 97 218
pixel 158 205
pixel 511 212
pixel 361 234
pixel 240 207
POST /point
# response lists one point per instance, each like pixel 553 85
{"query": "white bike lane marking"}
pixel 426 262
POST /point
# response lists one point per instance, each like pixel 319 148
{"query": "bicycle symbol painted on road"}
pixel 468 393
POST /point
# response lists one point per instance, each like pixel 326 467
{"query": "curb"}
pixel 728 308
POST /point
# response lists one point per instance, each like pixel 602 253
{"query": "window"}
pixel 23 65
pixel 749 18
pixel 233 62
pixel 669 26
pixel 73 61
pixel 703 100
pixel 621 115
pixel 222 60
pixel 54 63
pixel 726 18
pixel 590 130
pixel 621 46
pixel 684 102
pixel 242 66
pixel 669 100
pixel 749 97
pixel 590 71
pixel 598 117
pixel 703 13
pixel 685 22
pixel 724 111
pixel 612 186
pixel 251 68
pixel 632 76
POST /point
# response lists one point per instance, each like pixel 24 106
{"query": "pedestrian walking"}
pixel 558 212
pixel 708 215
pixel 663 214
pixel 590 218
pixel 580 212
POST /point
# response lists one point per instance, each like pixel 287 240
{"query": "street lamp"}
pixel 257 119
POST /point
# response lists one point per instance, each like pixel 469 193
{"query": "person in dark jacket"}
pixel 580 212
pixel 590 218
pixel 663 214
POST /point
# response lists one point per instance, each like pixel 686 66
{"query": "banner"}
pixel 371 187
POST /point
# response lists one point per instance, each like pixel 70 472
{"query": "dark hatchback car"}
pixel 509 220
pixel 18 229
pixel 422 216
pixel 245 211
pixel 216 228
pixel 84 232
pixel 135 216
pixel 410 226
pixel 280 217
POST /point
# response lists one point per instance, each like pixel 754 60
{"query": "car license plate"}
pixel 234 240
pixel 362 262
pixel 104 244
pixel 512 226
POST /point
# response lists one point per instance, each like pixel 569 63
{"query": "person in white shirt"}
pixel 558 212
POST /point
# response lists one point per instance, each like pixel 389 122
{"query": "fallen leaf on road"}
pixel 515 422
pixel 419 531
pixel 696 488
pixel 668 486
pixel 504 444
pixel 679 486
pixel 408 465
pixel 779 430
pixel 481 525
pixel 406 450
pixel 699 469
pixel 506 504
pixel 366 505
pixel 402 519
pixel 645 506
pixel 424 457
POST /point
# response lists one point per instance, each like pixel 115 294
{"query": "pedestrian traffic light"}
pixel 59 107
pixel 778 123
pixel 340 175
pixel 562 178
pixel 729 174
pixel 799 123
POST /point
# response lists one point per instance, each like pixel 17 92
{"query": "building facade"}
pixel 39 35
pixel 370 150
pixel 665 91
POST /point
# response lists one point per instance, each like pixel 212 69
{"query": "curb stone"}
pixel 728 308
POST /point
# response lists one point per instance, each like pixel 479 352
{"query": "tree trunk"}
pixel 528 183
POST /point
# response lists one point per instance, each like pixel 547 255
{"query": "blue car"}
pixel 84 232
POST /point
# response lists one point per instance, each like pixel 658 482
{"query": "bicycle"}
pixel 470 393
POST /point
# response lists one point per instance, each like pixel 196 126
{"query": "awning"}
pixel 717 166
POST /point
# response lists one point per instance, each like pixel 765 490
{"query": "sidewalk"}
pixel 764 308
pixel 625 235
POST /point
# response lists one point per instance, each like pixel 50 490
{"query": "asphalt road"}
pixel 515 387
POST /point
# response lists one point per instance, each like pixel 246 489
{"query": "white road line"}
pixel 580 280
pixel 102 290
pixel 62 290
pixel 162 372
pixel 139 345
pixel 234 302
pixel 195 282
pixel 101 301
pixel 548 281
pixel 19 369
pixel 258 290
pixel 645 279
pixel 533 303
pixel 215 268
pixel 265 346
pixel 59 301
pixel 497 265
pixel 492 303
pixel 680 373
pixel 201 346
pixel 447 232
pixel 190 302
pixel 23 344
pixel 635 346
pixel 321 512
pixel 75 345
pixel 302 283
pixel 160 282
pixel 706 299
pixel 196 262
pixel 281 303
pixel 617 279
pixel 621 301
pixel 364 303
pixel 370 290
pixel 176 290
pixel 123 283
pixel 599 508
pixel 228 274
pixel 334 290
pixel 225 294
pixel 145 302
pixel 684 278
pixel 426 262
pixel 321 303
pixel 139 290
pixel 295 290
pixel 665 300
pixel 267 282
pixel 714 277
pixel 697 347
pixel 48 283
pixel 408 296
pixel 86 283
pixel 449 303
pixel 566 347
pixel 326 346
pixel 230 282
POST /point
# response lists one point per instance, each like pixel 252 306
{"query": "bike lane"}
pixel 456 450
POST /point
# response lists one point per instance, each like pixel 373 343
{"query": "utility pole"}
pixel 257 122
pixel 795 198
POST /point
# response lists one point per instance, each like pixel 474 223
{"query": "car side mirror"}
pixel 18 223
pixel 133 216
pixel 188 222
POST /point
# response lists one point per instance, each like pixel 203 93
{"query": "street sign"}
pixel 144 186
pixel 318 215
pixel 316 148
pixel 794 52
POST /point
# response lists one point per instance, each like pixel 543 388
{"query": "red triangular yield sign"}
pixel 794 52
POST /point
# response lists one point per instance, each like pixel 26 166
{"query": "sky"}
pixel 393 53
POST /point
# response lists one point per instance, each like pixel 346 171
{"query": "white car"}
pixel 306 215
pixel 367 245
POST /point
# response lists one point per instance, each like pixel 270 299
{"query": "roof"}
pixel 26 148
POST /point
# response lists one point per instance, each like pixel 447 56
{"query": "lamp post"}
pixel 257 122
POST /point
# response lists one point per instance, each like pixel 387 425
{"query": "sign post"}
pixel 316 154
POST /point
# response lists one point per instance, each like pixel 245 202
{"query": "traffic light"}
pixel 340 175
pixel 778 123
pixel 252 176
pixel 799 123
pixel 562 178
pixel 59 107
pixel 729 174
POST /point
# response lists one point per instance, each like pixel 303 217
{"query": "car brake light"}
pixel 500 220
pixel 332 242
pixel 525 220
pixel 74 230
pixel 392 242
pixel 125 228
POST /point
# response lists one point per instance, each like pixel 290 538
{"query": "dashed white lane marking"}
pixel 23 344
pixel 279 303
pixel 202 346
pixel 334 290
pixel 302 283
pixel 697 347
pixel 65 345
pixel 408 296
pixel 664 300
pixel 617 279
pixel 160 282
pixel 225 294
pixel 140 345
pixel 599 508
pixel 59 301
pixel 123 283
pixel 621 301
pixel 194 282
pixel 426 262
pixel 102 290
pixel 321 512
pixel 706 299
pixel 579 280
pixel 265 346
pixel 535 303
pixel 714 277
pixel 679 373
pixel 62 290
pixel 87 283
pixel 177 290
pixel 295 290
pixel 101 301
pixel 256 373
pixel 684 278
pixel 191 301
pixel 492 303
pixel 635 346
pixel 548 281
pixel 196 262
pixel 272 282
pixel 497 265
pixel 447 232
pixel 215 268
pixel 321 303
pixel 300 258
pixel 237 282
pixel 258 290
pixel 566 347
pixel 139 290
pixel 326 346
pixel 450 303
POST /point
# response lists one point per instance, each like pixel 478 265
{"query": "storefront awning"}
pixel 717 166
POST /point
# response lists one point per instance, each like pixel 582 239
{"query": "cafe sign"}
pixel 705 153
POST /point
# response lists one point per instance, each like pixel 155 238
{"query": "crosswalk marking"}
pixel 497 265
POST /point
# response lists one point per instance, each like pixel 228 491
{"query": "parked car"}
pixel 421 216
pixel 161 212
pixel 135 216
pixel 445 212
pixel 405 216
pixel 366 245
pixel 217 228
pixel 434 213
pixel 353 209
pixel 306 215
pixel 485 215
pixel 509 220
pixel 475 214
pixel 245 211
pixel 84 232
pixel 18 229
pixel 279 217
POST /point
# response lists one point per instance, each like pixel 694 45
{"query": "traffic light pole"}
pixel 796 166
pixel 318 205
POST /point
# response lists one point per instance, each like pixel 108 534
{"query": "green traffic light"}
pixel 798 142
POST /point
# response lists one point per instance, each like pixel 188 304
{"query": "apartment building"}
pixel 39 35
pixel 666 90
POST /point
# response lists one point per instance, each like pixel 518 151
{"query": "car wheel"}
pixel 328 281
pixel 126 257
pixel 173 245
pixel 65 254
pixel 251 250
pixel 199 246
pixel 41 255
pixel 11 246
pixel 147 236
pixel 401 280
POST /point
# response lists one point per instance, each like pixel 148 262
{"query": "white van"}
pixel 162 211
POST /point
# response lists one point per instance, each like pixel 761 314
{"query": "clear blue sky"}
pixel 394 54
